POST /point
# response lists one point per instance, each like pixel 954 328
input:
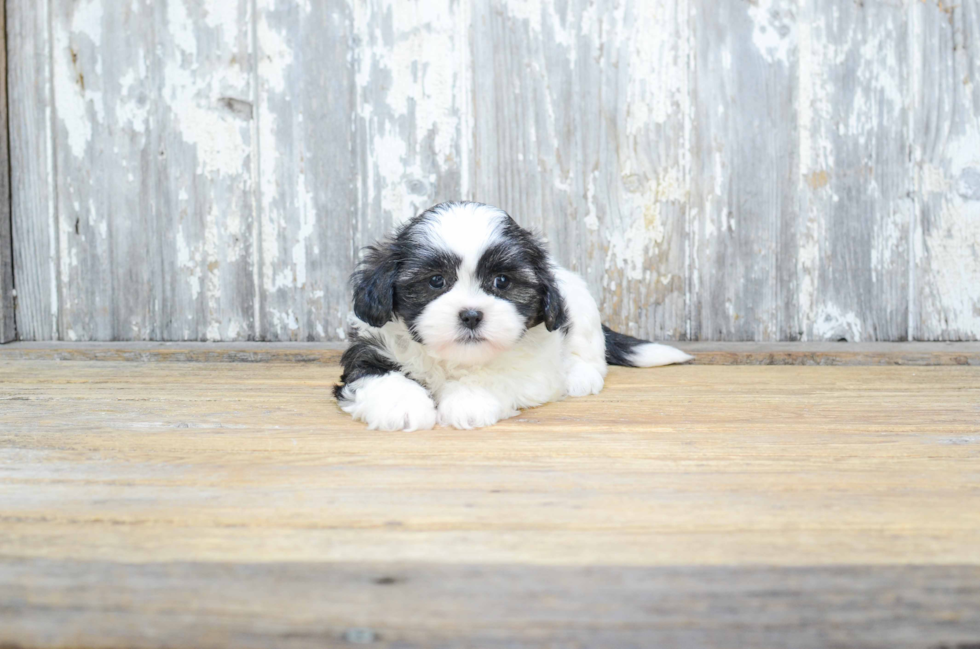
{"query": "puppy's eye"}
pixel 437 282
pixel 501 282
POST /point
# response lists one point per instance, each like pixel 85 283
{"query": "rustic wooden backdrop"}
pixel 723 169
pixel 8 329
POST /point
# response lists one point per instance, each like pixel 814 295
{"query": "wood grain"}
pixel 141 234
pixel 855 179
pixel 775 170
pixel 8 329
pixel 946 153
pixel 358 122
pixel 412 73
pixel 33 212
pixel 439 605
pixel 174 504
pixel 725 466
pixel 746 165
pixel 581 126
pixel 309 213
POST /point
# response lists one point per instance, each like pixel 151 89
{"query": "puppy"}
pixel 462 319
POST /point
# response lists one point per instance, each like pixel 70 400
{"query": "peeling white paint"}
pixel 805 103
pixel 234 331
pixel 658 72
pixel 890 240
pixel 214 331
pixel 307 222
pixel 774 29
pixel 132 110
pixel 529 10
pixel 953 241
pixel 808 260
pixel 188 262
pixel 98 219
pixel 213 258
pixel 831 323
pixel 223 16
pixel 390 151
pixel 87 19
pixel 193 94
pixel 286 321
pixel 181 28
pixel 592 218
pixel 71 104
pixel 464 99
pixel 850 103
pixel 413 123
pixel 628 250
pixel 883 77
pixel 221 139
pixel 417 68
pixel 817 58
pixel 276 55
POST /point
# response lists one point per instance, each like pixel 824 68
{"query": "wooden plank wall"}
pixel 730 170
pixel 8 329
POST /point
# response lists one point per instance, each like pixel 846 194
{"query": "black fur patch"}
pixel 412 289
pixel 533 289
pixel 365 357
pixel 374 285
pixel 619 347
pixel 393 277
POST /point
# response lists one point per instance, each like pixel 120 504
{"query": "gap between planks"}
pixel 705 353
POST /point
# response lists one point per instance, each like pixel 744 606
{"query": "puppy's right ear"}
pixel 374 285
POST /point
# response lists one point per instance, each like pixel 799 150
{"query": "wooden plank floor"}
pixel 233 505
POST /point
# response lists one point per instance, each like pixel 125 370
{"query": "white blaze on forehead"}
pixel 466 229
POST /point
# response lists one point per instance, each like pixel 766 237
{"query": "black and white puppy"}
pixel 462 319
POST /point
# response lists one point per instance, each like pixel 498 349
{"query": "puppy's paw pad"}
pixel 469 409
pixel 583 380
pixel 392 402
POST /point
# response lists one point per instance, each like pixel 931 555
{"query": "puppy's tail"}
pixel 633 352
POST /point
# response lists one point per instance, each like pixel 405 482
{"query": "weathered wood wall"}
pixel 8 329
pixel 724 170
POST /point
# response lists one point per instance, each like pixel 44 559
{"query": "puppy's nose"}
pixel 471 318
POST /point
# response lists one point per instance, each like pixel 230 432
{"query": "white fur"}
pixel 476 384
pixel 530 373
pixel 389 402
pixel 466 229
pixel 585 360
pixel 654 355
pixel 440 328
pixel 466 405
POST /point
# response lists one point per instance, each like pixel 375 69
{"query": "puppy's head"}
pixel 465 279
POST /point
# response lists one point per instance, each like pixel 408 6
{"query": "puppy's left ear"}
pixel 552 303
pixel 374 285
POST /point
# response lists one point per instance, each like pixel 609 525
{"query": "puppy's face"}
pixel 466 280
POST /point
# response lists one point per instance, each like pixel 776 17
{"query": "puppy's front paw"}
pixel 468 407
pixel 390 402
pixel 583 379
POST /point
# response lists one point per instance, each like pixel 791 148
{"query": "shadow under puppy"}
pixel 461 318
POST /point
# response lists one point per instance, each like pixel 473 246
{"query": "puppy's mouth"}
pixel 470 339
